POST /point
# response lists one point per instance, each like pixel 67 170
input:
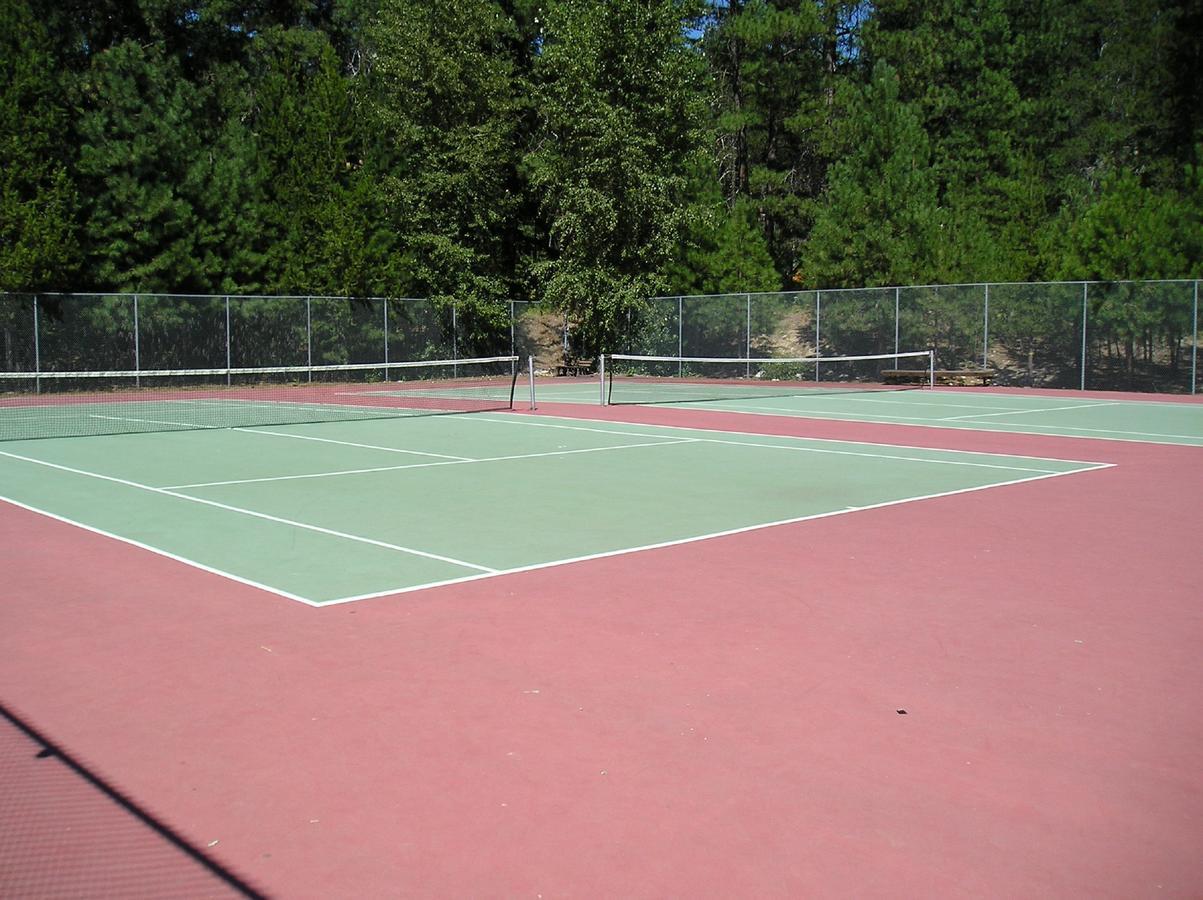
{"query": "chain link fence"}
pixel 1137 335
pixel 1132 336
pixel 147 332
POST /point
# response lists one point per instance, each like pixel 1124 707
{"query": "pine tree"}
pixel 878 222
pixel 775 66
pixel 619 116
pixel 138 171
pixel 446 104
pixel 315 232
pixel 37 195
pixel 955 64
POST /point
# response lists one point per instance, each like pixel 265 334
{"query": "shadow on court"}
pixel 65 831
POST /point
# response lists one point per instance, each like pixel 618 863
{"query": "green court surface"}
pixel 340 511
pixel 1150 421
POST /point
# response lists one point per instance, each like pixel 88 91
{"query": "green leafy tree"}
pixel 38 244
pixel 878 222
pixel 318 229
pixel 954 62
pixel 723 248
pixel 138 172
pixel 1099 75
pixel 1189 225
pixel 618 131
pixel 447 102
pixel 774 66
pixel 1130 232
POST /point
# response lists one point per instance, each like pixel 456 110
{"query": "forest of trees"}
pixel 590 153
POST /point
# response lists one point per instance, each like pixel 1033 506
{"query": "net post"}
pixel 601 378
pixel 931 367
pixel 530 371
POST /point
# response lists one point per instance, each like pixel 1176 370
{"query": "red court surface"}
pixel 718 718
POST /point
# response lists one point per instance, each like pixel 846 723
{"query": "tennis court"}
pixel 339 511
pixel 775 646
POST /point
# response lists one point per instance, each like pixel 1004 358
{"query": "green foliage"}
pixel 1127 232
pixel 879 222
pixel 773 65
pixel 1189 218
pixel 37 195
pixel 315 209
pixel 723 247
pixel 1130 231
pixel 1100 84
pixel 445 98
pixel 617 97
pixel 139 170
pixel 590 154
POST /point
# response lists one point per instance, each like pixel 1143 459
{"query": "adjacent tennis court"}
pixel 1073 414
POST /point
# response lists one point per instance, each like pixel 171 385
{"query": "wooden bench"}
pixel 571 366
pixel 960 377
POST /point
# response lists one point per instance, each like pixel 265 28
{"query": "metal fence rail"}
pixel 1128 335
pixel 146 332
pixel 1134 335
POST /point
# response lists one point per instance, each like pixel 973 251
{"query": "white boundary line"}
pixel 449 462
pixel 454 461
pixel 703 537
pixel 1023 412
pixel 1105 434
pixel 535 422
pixel 1110 401
pixel 310 437
pixel 183 425
pixel 252 513
pixel 976 393
pixel 485 572
pixel 550 453
pixel 158 551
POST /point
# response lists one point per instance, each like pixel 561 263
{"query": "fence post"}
pixel 137 346
pixel 454 341
pixel 680 332
pixel 309 336
pixel 1194 347
pixel 897 291
pixel 747 335
pixel 1085 289
pixel 37 350
pixel 229 340
pixel 818 317
pixel 986 329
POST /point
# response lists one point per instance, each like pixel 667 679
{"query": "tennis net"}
pixel 629 379
pixel 69 404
